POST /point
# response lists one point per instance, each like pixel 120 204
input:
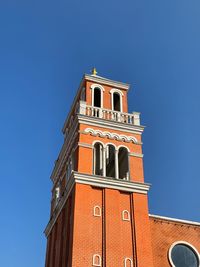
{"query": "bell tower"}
pixel 99 208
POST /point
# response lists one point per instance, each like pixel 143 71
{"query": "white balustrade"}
pixel 108 114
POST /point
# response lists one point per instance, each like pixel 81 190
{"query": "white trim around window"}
pixel 182 243
pixel 114 90
pixel 93 86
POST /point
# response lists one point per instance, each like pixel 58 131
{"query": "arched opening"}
pixel 116 102
pixel 128 262
pixel 96 260
pixel 98 159
pixel 97 211
pixel 97 97
pixel 123 163
pixel 125 215
pixel 110 161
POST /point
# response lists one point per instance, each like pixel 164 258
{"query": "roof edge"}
pixel 174 219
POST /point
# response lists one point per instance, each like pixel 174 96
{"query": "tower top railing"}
pixel 108 114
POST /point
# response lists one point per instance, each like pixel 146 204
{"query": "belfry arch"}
pixel 98 159
pixel 123 163
pixel 110 161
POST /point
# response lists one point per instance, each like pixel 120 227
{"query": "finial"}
pixel 94 71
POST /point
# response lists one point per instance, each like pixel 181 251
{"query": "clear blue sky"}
pixel 45 47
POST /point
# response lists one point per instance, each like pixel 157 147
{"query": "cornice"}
pixel 98 79
pixel 107 124
pixel 97 181
pixel 106 182
pixel 174 220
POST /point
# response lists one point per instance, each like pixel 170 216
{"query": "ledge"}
pixel 97 181
pixel 163 218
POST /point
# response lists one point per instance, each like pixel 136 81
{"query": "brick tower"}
pixel 99 208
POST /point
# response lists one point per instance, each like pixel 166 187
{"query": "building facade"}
pixel 99 208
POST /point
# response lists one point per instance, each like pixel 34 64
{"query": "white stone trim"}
pixel 128 259
pixel 137 155
pixel 122 146
pixel 124 212
pixel 182 243
pixel 110 135
pixel 108 124
pixel 112 91
pixel 94 259
pixel 65 152
pixel 97 181
pixel 103 80
pixel 105 182
pixel 96 85
pixel 174 219
pixel 85 145
pixel 95 213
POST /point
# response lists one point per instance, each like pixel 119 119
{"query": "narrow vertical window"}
pixel 125 215
pixel 128 262
pixel 98 159
pixel 116 102
pixel 68 169
pixel 123 163
pixel 97 211
pixel 83 95
pixel 56 195
pixel 97 97
pixel 110 161
pixel 96 260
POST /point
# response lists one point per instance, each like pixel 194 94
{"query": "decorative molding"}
pixel 97 181
pixel 119 126
pixel 103 80
pixel 137 155
pixel 85 145
pixel 186 244
pixel 174 220
pixel 119 92
pixel 105 182
pixel 114 90
pixel 100 87
pixel 65 151
pixel 125 215
pixel 112 136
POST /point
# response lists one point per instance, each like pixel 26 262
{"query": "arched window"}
pixel 125 215
pixel 96 260
pixel 123 163
pixel 98 159
pixel 97 97
pixel 116 102
pixel 97 211
pixel 110 161
pixel 116 99
pixel 128 262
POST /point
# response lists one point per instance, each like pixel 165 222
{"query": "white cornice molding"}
pixel 105 182
pixel 66 149
pixel 138 155
pixel 110 135
pixel 163 218
pixel 107 124
pixel 103 80
pixel 97 181
pixel 85 145
pixel 59 207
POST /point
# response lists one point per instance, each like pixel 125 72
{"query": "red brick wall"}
pixel 164 233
